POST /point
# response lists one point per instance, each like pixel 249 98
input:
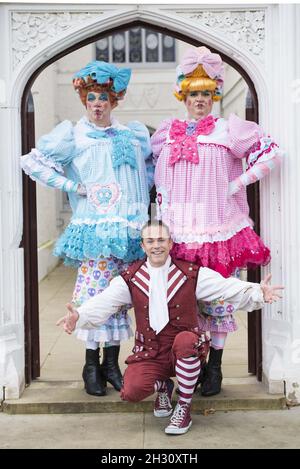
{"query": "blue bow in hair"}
pixel 101 72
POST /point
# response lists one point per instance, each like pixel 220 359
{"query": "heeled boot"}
pixel 202 376
pixel 94 382
pixel 213 380
pixel 110 366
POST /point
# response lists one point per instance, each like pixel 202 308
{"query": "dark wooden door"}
pixel 254 318
pixel 29 244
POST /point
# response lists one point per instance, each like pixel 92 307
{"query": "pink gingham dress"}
pixel 201 190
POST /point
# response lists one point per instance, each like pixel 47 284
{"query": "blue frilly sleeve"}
pixel 46 162
pixel 141 133
pixel 59 144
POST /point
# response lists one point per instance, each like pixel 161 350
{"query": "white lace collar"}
pixel 114 124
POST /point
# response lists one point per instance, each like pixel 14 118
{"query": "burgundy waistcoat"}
pixel 182 304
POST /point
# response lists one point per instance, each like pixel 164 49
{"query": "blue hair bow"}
pixel 101 72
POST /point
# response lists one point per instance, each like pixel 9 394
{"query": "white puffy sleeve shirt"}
pixel 211 286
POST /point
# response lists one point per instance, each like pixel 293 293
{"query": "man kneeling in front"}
pixel 168 342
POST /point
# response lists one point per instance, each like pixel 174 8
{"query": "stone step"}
pixel 59 397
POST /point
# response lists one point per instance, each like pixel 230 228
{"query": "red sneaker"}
pixel 162 404
pixel 181 421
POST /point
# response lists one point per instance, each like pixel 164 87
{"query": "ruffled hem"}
pixel 80 242
pixel 217 324
pixel 243 250
pixel 117 327
pixel 213 234
pixel 104 335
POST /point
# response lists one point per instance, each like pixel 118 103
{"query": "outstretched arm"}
pixel 95 312
pixel 270 293
pixel 232 294
pixel 70 319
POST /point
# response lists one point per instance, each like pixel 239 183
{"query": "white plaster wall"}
pixel 68 104
pixel 235 91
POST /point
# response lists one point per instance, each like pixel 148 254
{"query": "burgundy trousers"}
pixel 140 377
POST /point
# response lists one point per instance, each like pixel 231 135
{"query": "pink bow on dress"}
pixel 185 140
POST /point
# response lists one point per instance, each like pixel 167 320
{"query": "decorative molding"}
pixel 246 28
pixel 152 95
pixel 30 29
pixel 145 97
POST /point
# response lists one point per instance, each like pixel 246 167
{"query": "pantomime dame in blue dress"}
pixel 105 169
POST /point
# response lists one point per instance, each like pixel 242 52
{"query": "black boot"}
pixel 93 381
pixel 213 380
pixel 202 375
pixel 110 366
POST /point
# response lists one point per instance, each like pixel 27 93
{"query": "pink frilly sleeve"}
pixel 247 140
pixel 159 137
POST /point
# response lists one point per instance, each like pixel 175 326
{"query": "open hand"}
pixel 69 320
pixel 270 293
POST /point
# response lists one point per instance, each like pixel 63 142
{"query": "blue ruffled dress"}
pixel 114 164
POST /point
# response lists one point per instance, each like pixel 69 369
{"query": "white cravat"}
pixel 158 306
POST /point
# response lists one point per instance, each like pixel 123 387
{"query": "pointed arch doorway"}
pixel 29 239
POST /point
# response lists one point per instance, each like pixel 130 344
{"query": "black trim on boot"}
pixel 110 366
pixel 212 384
pixel 202 375
pixel 94 382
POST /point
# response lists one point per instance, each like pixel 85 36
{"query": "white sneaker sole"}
pixel 177 431
pixel 162 413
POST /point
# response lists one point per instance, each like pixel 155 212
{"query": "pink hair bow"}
pixel 212 63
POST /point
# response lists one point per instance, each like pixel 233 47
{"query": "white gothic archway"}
pixel 52 32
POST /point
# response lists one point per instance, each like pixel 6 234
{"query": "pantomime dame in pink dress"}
pixel 201 188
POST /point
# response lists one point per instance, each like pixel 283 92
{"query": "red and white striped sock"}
pixel 187 372
pixel 160 386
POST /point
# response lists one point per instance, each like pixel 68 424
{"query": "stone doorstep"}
pixel 60 397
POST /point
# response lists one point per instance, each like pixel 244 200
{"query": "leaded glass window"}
pixel 151 46
pixel 118 45
pixel 137 47
pixel 102 48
